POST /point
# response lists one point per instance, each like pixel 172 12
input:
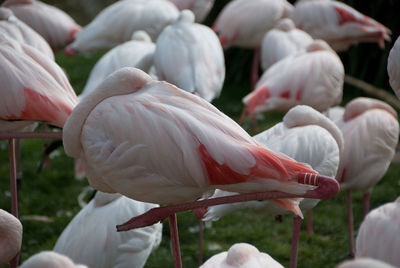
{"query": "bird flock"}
pixel 144 132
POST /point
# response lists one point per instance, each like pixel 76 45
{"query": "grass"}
pixel 53 193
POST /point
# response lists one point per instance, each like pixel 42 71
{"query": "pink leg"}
pixel 13 186
pixel 173 227
pixel 350 224
pixel 310 230
pixel 295 241
pixel 366 201
pixel 255 67
pixel 201 231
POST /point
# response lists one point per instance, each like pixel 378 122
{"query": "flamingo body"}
pixel 117 22
pixel 376 236
pixel 34 87
pixel 313 77
pixel 364 263
pixel 243 23
pixel 200 8
pixel 11 236
pixel 49 259
pixel 393 67
pixel 13 28
pixel 56 26
pixel 338 24
pixel 241 255
pixel 86 241
pixel 283 40
pixel 132 155
pixel 135 53
pixel 190 56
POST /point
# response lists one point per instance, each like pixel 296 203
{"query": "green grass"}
pixel 53 193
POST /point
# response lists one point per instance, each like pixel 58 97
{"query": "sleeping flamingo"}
pixel 377 237
pixel 190 56
pixel 282 41
pixel 12 28
pixel 56 26
pixel 313 77
pixel 241 255
pixel 308 137
pixel 243 23
pixel 200 8
pixel 153 142
pixel 47 259
pixel 11 238
pixel 98 245
pixel 370 130
pixel 117 22
pixel 393 67
pixel 136 53
pixel 338 24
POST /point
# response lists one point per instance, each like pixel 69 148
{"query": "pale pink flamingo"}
pixel 156 143
pixel 364 263
pixel 378 234
pixel 370 130
pixel 200 8
pixel 313 77
pixel 190 56
pixel 243 23
pixel 99 245
pixel 11 238
pixel 117 22
pixel 282 41
pixel 137 53
pixel 241 255
pixel 50 259
pixel 393 67
pixel 56 26
pixel 306 136
pixel 13 28
pixel 338 24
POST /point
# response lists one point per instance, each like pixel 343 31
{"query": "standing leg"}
pixel 366 201
pixel 254 67
pixel 310 230
pixel 173 226
pixel 295 241
pixel 350 224
pixel 18 166
pixel 201 231
pixel 13 186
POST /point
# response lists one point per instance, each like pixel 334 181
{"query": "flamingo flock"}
pixel 147 136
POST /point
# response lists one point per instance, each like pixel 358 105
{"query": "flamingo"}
pixel 283 40
pixel 308 137
pixel 135 53
pixel 377 234
pixel 241 255
pixel 117 22
pixel 313 77
pixel 49 259
pixel 370 130
pixel 243 23
pixel 338 24
pixel 190 56
pixel 393 68
pixel 200 8
pixel 364 263
pixel 12 28
pixel 153 142
pixel 56 26
pixel 98 245
pixel 11 238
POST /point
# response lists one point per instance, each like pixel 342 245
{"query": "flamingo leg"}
pixel 201 232
pixel 13 186
pixel 173 227
pixel 295 241
pixel 18 164
pixel 366 202
pixel 310 230
pixel 350 223
pixel 254 68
